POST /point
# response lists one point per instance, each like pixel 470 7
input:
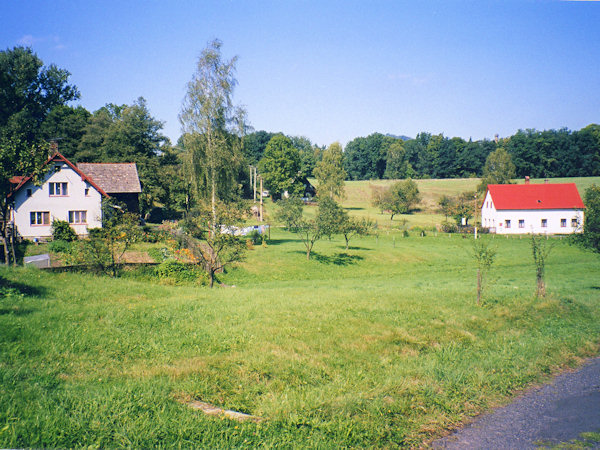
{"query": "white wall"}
pixel 496 220
pixel 58 206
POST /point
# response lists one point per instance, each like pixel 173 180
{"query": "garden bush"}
pixel 173 271
pixel 60 246
pixel 62 231
pixel 449 227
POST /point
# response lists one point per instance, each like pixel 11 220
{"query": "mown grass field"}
pixel 379 346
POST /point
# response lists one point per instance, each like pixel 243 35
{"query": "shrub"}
pixel 172 271
pixel 62 231
pixel 449 227
pixel 255 237
pixel 59 246
pixel 151 235
pixel 159 254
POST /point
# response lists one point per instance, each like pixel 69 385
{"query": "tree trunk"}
pixel 541 287
pixel 5 247
pixel 347 241
pixel 12 246
pixel 214 200
pixel 211 278
pixel 478 286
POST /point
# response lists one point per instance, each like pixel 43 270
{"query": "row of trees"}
pixel 550 153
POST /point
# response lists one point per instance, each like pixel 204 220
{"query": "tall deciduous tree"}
pixel 28 92
pixel 330 172
pixel 213 130
pixel 281 167
pixel 213 127
pixel 498 169
pixel 128 133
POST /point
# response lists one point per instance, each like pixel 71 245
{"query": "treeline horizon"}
pixel 538 154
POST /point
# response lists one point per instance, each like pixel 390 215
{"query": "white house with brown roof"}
pixel 67 193
pixel 532 208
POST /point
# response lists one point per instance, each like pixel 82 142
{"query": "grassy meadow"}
pixel 358 198
pixel 378 346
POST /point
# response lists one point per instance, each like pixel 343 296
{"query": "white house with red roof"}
pixel 66 193
pixel 532 208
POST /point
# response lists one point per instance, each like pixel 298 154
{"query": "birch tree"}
pixel 213 128
pixel 330 172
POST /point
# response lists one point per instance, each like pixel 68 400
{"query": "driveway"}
pixel 555 413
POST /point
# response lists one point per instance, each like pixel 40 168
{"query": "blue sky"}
pixel 334 70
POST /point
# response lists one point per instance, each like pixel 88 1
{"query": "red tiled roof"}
pixel 535 196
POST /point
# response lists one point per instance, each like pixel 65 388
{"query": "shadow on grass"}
pixel 355 247
pixel 595 287
pixel 16 311
pixel 339 259
pixel 20 288
pixel 279 241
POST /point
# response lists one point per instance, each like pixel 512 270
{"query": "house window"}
pixel 521 223
pixel 544 223
pixel 39 218
pixel 87 192
pixel 77 216
pixel 29 193
pixel 507 222
pixel 58 189
pixel 574 222
pixel 563 223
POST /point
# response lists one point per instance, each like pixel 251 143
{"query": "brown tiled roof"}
pixel 113 178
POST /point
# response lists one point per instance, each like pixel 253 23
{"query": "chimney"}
pixel 53 147
pixel 527 180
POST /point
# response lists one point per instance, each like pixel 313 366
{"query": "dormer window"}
pixel 58 189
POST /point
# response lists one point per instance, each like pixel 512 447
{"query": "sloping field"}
pixel 358 198
pixel 379 346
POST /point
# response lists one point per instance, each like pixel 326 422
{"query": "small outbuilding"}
pixel 532 208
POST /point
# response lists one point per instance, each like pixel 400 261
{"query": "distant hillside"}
pixel 404 138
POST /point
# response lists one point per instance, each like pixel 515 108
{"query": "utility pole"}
pixel 261 199
pixel 255 175
pixel 475 220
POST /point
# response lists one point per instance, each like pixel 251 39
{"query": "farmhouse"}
pixel 71 193
pixel 532 208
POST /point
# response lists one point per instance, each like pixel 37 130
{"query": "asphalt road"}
pixel 554 413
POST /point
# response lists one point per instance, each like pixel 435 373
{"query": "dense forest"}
pixel 119 133
pixel 549 153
